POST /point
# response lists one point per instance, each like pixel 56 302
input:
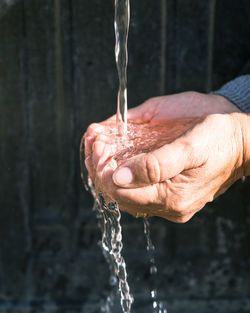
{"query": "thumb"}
pixel 156 166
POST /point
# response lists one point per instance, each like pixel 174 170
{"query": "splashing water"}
pixel 107 306
pixel 109 221
pixel 121 24
pixel 112 246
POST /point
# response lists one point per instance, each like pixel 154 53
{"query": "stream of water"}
pixel 108 214
pixel 121 25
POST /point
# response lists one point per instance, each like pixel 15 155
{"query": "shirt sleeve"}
pixel 237 91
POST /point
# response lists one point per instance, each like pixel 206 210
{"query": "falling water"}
pixel 109 221
pixel 112 246
pixel 108 214
pixel 121 23
pixel 158 306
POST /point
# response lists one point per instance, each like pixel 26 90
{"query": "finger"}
pixel 88 164
pixel 102 152
pixel 94 130
pixel 103 138
pixel 156 166
pixel 98 148
pixel 146 200
pixel 166 214
pixel 88 143
pixel 149 199
pixel 104 159
pixel 139 197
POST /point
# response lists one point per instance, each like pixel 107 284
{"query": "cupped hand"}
pixel 178 179
pixel 185 104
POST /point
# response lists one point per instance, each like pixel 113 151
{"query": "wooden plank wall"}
pixel 57 75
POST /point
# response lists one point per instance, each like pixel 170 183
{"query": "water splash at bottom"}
pixel 109 217
pixel 109 221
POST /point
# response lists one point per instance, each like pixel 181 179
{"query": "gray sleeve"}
pixel 238 92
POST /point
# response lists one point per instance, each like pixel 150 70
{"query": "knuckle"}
pixel 94 129
pixel 92 126
pixel 152 168
pixel 215 118
pixel 188 147
pixel 195 94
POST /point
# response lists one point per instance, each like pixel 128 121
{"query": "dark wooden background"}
pixel 57 75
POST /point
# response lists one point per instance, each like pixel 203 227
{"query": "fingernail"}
pixel 123 176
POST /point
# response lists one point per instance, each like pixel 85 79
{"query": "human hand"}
pixel 178 179
pixel 141 138
pixel 182 191
pixel 186 104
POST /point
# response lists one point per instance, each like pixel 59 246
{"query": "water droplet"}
pixel 153 293
pixel 153 269
pixel 151 247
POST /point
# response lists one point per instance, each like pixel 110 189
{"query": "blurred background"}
pixel 57 75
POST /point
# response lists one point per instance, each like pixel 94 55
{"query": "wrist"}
pixel 243 121
pixel 246 140
pixel 224 105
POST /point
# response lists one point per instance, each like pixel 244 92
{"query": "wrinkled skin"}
pixel 176 180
